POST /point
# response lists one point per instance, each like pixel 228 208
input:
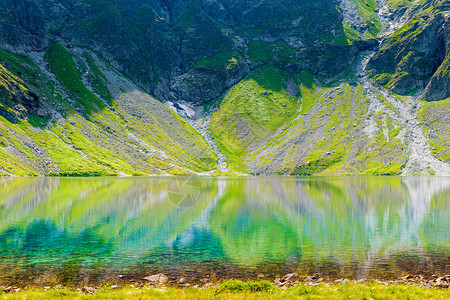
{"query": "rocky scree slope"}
pixel 272 87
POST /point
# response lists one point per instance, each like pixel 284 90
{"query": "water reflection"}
pixel 91 229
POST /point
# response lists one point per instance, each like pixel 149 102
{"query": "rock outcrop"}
pixel 416 56
pixel 177 49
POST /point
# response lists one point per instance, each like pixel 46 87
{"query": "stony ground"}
pixel 287 287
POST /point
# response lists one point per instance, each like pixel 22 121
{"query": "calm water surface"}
pixel 90 230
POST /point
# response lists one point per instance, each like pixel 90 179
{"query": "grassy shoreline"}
pixel 236 289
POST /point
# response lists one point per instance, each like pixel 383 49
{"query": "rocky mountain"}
pixel 109 87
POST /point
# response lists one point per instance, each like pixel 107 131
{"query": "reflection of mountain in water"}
pixel 350 226
pixel 357 220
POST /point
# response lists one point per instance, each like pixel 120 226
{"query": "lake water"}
pixel 78 231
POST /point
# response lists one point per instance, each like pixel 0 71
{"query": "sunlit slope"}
pixel 323 128
pixel 84 118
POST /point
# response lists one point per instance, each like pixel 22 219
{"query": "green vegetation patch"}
pixel 275 52
pixel 326 137
pixel 62 65
pixel 401 3
pixel 434 119
pixel 251 111
pixel 238 286
pixel 221 60
pixel 366 10
pixel 98 79
pixel 322 291
pixel 351 34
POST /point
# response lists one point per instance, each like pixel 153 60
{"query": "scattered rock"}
pixel 311 278
pixel 289 277
pixel 182 280
pixel 205 280
pixel 443 281
pixel 158 278
pixel 286 281
pixel 406 278
pixel 88 290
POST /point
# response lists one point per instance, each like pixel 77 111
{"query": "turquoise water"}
pixel 78 231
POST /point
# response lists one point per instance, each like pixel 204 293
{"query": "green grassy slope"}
pixel 435 117
pixel 251 111
pixel 80 128
pixel 264 130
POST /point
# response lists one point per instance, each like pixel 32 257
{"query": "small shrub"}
pixel 236 286
pixel 259 286
pixel 3 143
pixel 232 286
pixel 303 290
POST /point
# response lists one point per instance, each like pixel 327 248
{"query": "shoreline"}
pixel 288 281
pixel 236 289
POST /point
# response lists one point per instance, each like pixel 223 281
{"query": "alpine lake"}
pixel 95 231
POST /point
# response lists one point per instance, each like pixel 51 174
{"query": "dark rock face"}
pixel 16 101
pixel 161 44
pixel 22 27
pixel 439 86
pixel 173 48
pixel 416 56
pixel 370 44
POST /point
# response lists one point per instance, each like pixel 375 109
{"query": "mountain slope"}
pixel 174 48
pixel 287 87
pixel 86 119
pixel 345 124
pixel 416 56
